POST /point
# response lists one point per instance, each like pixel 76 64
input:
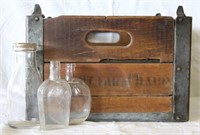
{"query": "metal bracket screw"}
pixel 178 69
pixel 36 19
pixel 178 118
pixel 180 19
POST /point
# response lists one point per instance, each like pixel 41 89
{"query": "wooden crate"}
pixel 142 77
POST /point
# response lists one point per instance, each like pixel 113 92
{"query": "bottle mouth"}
pixel 70 67
pixel 25 47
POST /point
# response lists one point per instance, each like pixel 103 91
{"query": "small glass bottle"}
pixel 54 98
pixel 81 97
pixel 22 88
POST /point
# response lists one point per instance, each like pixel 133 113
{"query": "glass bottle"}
pixel 54 98
pixel 22 88
pixel 81 97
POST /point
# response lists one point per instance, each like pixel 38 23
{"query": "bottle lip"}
pixel 71 66
pixel 25 47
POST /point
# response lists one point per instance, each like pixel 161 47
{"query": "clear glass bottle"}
pixel 22 88
pixel 81 97
pixel 54 98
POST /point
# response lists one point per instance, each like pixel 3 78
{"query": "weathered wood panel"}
pixel 124 79
pixel 115 86
pixel 65 38
pixel 132 104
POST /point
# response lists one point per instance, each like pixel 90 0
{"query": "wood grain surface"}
pixel 65 38
pixel 123 79
pixel 132 104
pixel 134 74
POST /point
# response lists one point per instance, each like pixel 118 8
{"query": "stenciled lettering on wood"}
pixel 134 79
pixel 127 79
pixel 124 79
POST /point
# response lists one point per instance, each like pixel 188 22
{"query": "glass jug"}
pixel 54 97
pixel 81 97
pixel 22 88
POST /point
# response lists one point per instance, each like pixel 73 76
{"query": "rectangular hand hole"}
pixel 108 38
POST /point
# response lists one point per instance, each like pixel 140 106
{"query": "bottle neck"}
pixel 26 59
pixel 70 68
pixel 54 70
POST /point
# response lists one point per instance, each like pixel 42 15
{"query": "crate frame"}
pixel 182 62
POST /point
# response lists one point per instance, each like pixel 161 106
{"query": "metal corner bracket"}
pixel 34 34
pixel 182 60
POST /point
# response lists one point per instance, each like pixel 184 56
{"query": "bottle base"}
pixel 52 127
pixel 76 121
pixel 23 124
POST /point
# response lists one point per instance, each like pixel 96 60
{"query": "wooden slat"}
pixel 148 37
pixel 124 79
pixel 132 104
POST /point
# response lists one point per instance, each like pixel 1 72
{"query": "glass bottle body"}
pixel 22 89
pixel 81 97
pixel 54 97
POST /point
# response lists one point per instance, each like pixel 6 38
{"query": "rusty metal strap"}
pixel 182 66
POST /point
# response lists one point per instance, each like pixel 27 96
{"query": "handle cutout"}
pixel 108 38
